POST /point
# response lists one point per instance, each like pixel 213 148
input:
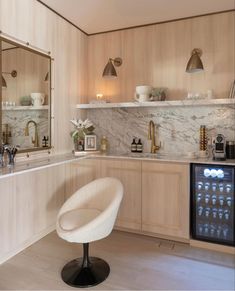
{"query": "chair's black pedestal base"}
pixel 76 275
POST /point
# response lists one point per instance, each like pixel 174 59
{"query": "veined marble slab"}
pixel 176 127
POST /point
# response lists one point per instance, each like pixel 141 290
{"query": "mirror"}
pixel 25 97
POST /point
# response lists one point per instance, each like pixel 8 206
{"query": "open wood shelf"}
pixel 173 103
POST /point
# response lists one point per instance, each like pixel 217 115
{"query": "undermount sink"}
pixel 152 156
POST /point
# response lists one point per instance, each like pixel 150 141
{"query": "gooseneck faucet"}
pixel 151 136
pixel 35 141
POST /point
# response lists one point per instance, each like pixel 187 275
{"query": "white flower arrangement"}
pixel 81 128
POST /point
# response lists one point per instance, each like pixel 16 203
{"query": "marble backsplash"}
pixel 17 120
pixel 177 127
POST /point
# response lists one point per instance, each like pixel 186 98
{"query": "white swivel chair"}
pixel 89 215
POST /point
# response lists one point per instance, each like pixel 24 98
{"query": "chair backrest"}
pixel 98 194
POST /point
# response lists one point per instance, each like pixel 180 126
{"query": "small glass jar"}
pixel 103 144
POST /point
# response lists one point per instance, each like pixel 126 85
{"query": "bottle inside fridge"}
pixel 212 203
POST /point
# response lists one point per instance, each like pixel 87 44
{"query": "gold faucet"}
pixel 151 136
pixel 35 141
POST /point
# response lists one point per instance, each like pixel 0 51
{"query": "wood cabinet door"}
pixel 129 173
pixel 80 173
pixel 29 204
pixel 165 199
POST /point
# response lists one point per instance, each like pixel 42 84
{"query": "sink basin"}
pixel 152 156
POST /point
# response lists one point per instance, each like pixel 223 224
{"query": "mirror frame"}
pixel 27 150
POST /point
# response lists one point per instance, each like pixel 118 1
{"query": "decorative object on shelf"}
pixel 143 93
pixel 90 142
pixel 195 64
pixel 13 73
pixel 232 91
pixel 195 96
pixel 203 142
pixel 159 94
pixel 80 146
pixel 82 128
pixel 109 70
pixel 37 99
pixel 99 96
pixel 99 99
pixel 25 101
pixel 45 141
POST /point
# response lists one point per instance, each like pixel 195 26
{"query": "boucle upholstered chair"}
pixel 89 215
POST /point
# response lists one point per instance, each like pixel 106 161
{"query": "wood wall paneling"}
pixel 157 55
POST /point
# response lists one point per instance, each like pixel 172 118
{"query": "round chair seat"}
pixel 76 218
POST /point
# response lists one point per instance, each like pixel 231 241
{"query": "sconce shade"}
pixel 195 64
pixel 109 70
pixel 4 83
pixel 46 77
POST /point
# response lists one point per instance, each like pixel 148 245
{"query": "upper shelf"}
pixel 158 103
pixel 14 108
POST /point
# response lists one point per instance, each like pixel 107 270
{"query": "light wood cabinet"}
pixel 165 199
pixel 29 204
pixel 80 173
pixel 129 173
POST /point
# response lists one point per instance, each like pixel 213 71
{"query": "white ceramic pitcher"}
pixel 37 99
pixel 143 93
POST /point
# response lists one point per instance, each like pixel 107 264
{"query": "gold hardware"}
pixel 35 141
pixel 151 136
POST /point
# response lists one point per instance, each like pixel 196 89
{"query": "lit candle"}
pixel 99 96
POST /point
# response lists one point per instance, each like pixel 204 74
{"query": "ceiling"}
pixel 94 16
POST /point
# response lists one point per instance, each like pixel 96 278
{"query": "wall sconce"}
pixel 12 73
pixel 109 70
pixel 4 83
pixel 195 63
pixel 46 77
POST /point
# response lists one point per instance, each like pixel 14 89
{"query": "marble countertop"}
pixel 165 158
pixel 28 166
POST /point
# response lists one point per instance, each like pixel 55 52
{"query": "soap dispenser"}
pixel 134 146
pixel 139 146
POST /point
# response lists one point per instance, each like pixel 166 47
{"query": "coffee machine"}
pixel 219 148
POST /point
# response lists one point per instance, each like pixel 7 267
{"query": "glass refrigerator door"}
pixel 212 203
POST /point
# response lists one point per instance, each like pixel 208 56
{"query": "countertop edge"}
pixel 29 166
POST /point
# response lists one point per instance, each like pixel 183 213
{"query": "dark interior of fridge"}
pixel 212 203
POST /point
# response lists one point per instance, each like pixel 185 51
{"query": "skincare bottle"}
pixel 139 146
pixel 134 146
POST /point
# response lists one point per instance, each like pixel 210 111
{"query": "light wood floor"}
pixel 137 263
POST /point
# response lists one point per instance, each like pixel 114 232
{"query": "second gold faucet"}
pixel 151 136
pixel 35 141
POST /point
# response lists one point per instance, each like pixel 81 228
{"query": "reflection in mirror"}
pixel 25 97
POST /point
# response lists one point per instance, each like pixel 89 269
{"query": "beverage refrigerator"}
pixel 212 203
